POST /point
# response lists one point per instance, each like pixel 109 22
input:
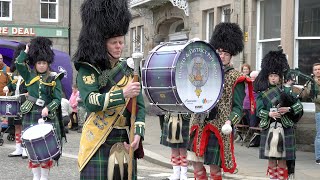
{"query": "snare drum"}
pixel 9 106
pixel 41 142
pixel 183 77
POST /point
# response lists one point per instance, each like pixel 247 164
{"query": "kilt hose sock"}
pixel 201 174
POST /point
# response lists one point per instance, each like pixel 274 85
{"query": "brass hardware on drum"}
pixel 157 104
pixel 169 87
pixel 159 68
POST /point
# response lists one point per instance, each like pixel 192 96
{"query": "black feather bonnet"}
pixel 40 49
pixel 229 37
pixel 101 20
pixel 275 62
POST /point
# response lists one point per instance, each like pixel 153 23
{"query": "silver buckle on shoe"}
pixel 40 102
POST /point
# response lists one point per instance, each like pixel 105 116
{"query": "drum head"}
pixel 199 76
pixel 37 131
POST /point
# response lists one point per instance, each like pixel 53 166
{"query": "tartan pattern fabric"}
pixel 185 134
pixel 34 115
pixel 212 151
pixel 272 95
pixel 97 167
pixel 107 77
pixel 290 143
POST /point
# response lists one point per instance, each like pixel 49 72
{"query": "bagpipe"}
pixel 289 99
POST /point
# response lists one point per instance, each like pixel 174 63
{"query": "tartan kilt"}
pixel 185 134
pixel 97 167
pixel 31 118
pixel 14 121
pixel 212 151
pixel 290 144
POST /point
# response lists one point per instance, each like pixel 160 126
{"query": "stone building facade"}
pixel 295 25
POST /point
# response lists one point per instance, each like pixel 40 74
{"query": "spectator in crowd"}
pixel 74 104
pixel 246 69
pixel 66 111
pixel 314 92
pixel 82 114
pixel 250 118
pixel 4 78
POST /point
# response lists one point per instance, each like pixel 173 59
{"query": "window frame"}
pixel 297 37
pixel 208 33
pixel 57 11
pixel 223 16
pixel 134 33
pixel 259 42
pixel 10 11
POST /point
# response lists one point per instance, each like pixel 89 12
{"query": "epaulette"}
pixel 86 65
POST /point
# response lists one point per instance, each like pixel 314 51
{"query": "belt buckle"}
pixel 40 102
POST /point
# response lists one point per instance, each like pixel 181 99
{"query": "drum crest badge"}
pixel 198 74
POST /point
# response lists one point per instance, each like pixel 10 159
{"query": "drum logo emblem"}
pixel 198 73
pixel 8 107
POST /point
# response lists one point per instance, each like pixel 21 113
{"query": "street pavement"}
pixel 156 164
pixel 248 163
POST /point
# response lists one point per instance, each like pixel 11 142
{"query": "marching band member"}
pixel 16 86
pixel 278 110
pixel 208 144
pixel 105 85
pixel 44 92
pixel 175 134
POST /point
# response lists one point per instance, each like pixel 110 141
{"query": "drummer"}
pixel 16 86
pixel 44 89
pixel 208 145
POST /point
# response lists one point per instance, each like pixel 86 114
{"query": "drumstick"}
pixel 136 58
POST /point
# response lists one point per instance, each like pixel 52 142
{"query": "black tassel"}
pixel 170 130
pixel 269 140
pixel 178 129
pixel 280 143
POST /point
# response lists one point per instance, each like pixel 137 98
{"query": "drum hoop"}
pixel 173 75
pixel 38 138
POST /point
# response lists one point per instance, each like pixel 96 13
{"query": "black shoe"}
pixel 318 161
pixel 66 130
pixel 14 155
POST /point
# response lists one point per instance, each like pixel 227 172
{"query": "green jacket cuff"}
pixel 116 98
pixel 297 108
pixel 20 59
pixel 264 116
pixel 234 118
pixel 139 129
pixel 52 106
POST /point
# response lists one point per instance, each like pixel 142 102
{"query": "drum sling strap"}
pixel 100 124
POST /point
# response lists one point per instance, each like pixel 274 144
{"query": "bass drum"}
pixel 183 77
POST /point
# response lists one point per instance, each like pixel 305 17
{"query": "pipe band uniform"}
pixel 107 91
pixel 208 145
pixel 276 107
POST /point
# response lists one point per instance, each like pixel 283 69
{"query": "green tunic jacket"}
pixel 45 86
pixel 92 83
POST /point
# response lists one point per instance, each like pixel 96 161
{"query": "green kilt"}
pixel 185 133
pixel 97 167
pixel 212 151
pixel 290 144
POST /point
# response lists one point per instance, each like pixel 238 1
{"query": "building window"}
pixel 268 27
pixel 307 35
pixel 137 36
pixel 209 24
pixel 226 12
pixel 6 10
pixel 49 10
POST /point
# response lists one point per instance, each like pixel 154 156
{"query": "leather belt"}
pixel 38 102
